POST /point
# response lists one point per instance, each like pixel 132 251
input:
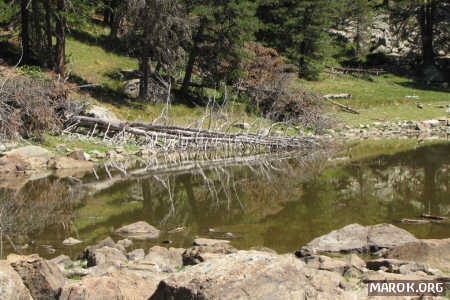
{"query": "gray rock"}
pixel 25 158
pixel 11 285
pixel 199 254
pixel 357 238
pixel 78 155
pixel 252 275
pixel 113 286
pixel 62 148
pixel 136 254
pixel 62 261
pixel 106 256
pixel 433 253
pixel 71 241
pixel 167 260
pixel 96 111
pixel 387 236
pixel 140 230
pixel 209 242
pixel 43 278
pixel 88 252
pixel 245 126
pixel 125 243
pixel 98 154
pixel 131 88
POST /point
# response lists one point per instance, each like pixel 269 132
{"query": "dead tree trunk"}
pixel 24 33
pixel 60 39
pixel 48 33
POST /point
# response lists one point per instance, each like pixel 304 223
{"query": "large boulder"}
pixel 25 158
pixel 43 278
pixel 387 236
pixel 64 162
pixel 100 112
pixel 358 238
pixel 131 88
pixel 434 253
pixel 113 286
pixel 89 253
pixel 140 230
pixel 11 285
pixel 167 260
pixel 252 275
pixel 106 256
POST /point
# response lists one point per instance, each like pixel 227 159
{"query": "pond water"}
pixel 280 204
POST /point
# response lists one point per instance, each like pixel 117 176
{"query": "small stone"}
pixel 419 106
pixel 2 148
pixel 139 230
pixel 125 243
pixel 98 154
pixel 136 254
pixel 79 155
pixel 120 150
pixel 71 241
pixel 62 148
pixel 245 126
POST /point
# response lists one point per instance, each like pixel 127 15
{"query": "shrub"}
pixel 29 106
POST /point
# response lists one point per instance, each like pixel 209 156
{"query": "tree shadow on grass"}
pixel 104 94
pixel 117 46
pixel 424 87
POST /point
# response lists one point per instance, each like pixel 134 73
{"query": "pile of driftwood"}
pixel 354 71
pixel 168 137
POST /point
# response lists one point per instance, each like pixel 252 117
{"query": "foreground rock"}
pixel 199 254
pixel 116 285
pixel 42 278
pixel 139 230
pixel 11 285
pixel 252 275
pixel 358 238
pixel 434 253
pixel 25 158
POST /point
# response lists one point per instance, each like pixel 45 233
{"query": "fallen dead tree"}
pixel 166 137
pixel 354 71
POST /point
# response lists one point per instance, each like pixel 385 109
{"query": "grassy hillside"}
pixel 383 98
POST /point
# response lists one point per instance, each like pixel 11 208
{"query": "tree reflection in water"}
pixel 280 204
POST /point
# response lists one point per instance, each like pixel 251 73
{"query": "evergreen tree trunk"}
pixel 24 33
pixel 107 12
pixel 189 69
pixel 60 39
pixel 192 57
pixel 37 30
pixel 114 25
pixel 426 12
pixel 48 33
pixel 144 67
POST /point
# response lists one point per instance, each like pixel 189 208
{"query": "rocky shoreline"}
pixel 435 129
pixel 35 158
pixel 328 267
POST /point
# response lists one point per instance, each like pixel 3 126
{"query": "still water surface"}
pixel 279 204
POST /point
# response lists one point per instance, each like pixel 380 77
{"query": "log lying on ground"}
pixel 177 137
pixel 344 107
pixel 335 70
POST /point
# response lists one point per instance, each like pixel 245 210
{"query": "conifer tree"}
pixel 222 27
pixel 298 30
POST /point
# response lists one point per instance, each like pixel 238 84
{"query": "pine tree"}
pixel 221 29
pixel 298 30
